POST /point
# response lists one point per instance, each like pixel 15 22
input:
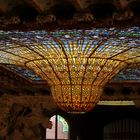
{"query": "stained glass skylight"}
pixel 76 63
pixel 27 73
pixel 128 74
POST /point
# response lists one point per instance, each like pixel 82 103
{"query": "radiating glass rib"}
pixel 42 72
pixel 69 73
pixel 115 70
pixel 48 63
pixel 121 52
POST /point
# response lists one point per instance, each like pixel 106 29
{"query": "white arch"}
pixel 59 126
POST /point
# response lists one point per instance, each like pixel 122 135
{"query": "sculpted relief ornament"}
pixel 24 117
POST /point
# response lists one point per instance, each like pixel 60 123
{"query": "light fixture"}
pixel 76 63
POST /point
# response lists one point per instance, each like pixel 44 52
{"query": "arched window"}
pixel 59 130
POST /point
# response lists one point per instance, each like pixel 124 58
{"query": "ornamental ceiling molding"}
pixel 53 15
pixel 80 21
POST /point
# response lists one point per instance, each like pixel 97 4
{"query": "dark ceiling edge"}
pixel 64 25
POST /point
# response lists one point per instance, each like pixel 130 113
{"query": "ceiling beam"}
pixel 4 6
pixel 39 5
pixel 79 4
pixel 120 4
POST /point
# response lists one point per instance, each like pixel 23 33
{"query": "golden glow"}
pixel 75 66
pixel 116 103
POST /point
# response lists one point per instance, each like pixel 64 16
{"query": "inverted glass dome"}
pixel 76 63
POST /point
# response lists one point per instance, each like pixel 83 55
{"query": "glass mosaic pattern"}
pixel 129 74
pixel 76 63
pixel 26 73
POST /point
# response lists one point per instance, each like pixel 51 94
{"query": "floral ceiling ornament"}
pixel 14 20
pixel 43 19
pixel 122 15
pixel 83 17
pixel 76 63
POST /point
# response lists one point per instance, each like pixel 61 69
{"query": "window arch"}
pixel 59 130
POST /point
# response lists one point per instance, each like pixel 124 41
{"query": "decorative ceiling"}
pixel 68 14
pixel 57 14
pixel 54 14
pixel 21 48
